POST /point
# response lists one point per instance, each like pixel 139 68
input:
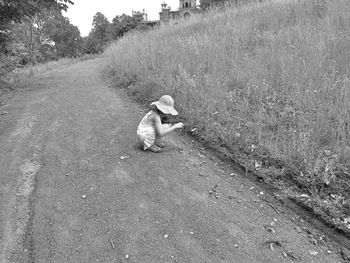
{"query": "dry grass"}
pixel 268 81
pixel 29 71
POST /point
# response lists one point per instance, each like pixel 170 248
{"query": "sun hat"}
pixel 166 105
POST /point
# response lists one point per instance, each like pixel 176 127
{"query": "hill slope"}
pixel 268 82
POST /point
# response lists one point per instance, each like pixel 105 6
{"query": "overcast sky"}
pixel 81 13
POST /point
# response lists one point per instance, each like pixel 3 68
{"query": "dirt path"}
pixel 68 195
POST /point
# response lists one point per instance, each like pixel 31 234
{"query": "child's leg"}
pixel 158 141
pixel 154 148
pixel 147 142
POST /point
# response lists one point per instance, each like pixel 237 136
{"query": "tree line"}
pixel 103 31
pixel 37 31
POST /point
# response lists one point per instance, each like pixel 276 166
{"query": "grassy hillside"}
pixel 270 82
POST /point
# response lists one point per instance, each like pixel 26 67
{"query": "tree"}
pixel 125 23
pixel 66 37
pixel 18 11
pixel 49 35
pixel 21 30
pixel 91 45
pixel 98 36
pixel 100 25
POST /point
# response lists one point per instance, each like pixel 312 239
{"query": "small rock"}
pixel 329 252
pixel 313 253
pixel 236 245
pixel 284 254
pixel 126 256
pixel 166 236
pixel 4 113
pixel 84 196
pixel 191 233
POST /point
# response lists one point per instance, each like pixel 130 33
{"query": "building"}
pixel 186 9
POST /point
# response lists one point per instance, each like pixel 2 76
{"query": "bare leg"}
pixel 158 142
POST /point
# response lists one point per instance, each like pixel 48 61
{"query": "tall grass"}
pixel 273 76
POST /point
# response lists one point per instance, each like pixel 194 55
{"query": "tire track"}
pixel 16 241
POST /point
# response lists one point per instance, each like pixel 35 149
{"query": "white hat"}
pixel 166 105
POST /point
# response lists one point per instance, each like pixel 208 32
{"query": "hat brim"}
pixel 164 108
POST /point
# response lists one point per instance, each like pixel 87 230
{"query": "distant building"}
pixel 145 23
pixel 186 9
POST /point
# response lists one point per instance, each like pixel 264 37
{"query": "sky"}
pixel 81 13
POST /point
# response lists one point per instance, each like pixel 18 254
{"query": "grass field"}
pixel 270 82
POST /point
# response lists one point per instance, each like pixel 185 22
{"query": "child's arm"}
pixel 160 130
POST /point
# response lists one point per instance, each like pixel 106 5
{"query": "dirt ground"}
pixel 75 189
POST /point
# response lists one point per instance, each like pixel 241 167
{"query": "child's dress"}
pixel 146 134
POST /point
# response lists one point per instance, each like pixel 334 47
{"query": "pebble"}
pixel 84 196
pixel 313 253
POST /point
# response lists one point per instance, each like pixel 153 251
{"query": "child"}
pixel 151 129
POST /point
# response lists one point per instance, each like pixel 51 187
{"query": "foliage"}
pixel 66 36
pixel 17 10
pixel 270 82
pixel 104 32
pixel 124 24
pixel 45 37
pixel 22 37
pixel 100 24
